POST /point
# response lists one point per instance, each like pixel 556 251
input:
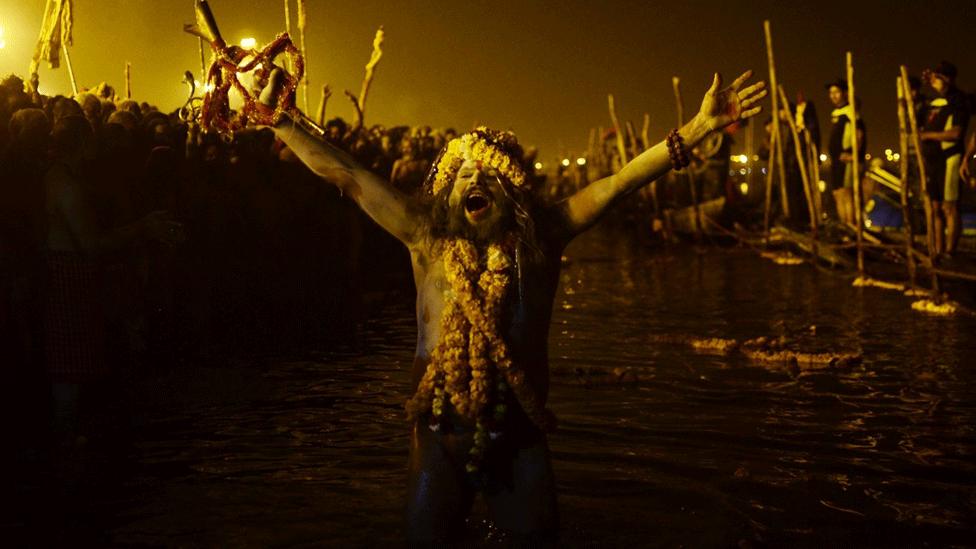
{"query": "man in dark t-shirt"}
pixel 942 137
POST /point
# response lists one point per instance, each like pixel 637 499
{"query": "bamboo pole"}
pixel 288 30
pixel 774 140
pixel 922 177
pixel 645 132
pixel 128 80
pixel 807 191
pixel 71 70
pixel 621 148
pixel 903 167
pixel 689 174
pixel 301 32
pixel 856 165
pixel 632 136
pixel 783 197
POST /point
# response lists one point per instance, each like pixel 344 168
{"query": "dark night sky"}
pixel 542 69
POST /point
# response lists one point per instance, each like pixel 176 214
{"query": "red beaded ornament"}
pixel 216 113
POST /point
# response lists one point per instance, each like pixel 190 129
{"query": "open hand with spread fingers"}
pixel 722 107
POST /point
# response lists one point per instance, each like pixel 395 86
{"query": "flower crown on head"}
pixel 494 149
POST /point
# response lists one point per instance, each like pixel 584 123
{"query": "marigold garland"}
pixel 481 145
pixel 470 367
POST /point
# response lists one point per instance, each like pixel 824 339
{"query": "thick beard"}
pixel 451 222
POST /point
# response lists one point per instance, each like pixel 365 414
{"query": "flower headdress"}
pixel 494 149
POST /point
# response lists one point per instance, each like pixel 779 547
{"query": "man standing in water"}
pixel 942 150
pixel 486 257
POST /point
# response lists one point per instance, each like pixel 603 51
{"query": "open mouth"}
pixel 476 203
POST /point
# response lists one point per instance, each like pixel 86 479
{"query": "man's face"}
pixel 838 97
pixel 939 83
pixel 479 197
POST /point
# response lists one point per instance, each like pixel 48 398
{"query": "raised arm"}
pixel 398 213
pixel 719 109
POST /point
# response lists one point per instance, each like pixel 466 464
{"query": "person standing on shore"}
pixel 841 151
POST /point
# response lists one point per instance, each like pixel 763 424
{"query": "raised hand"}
pixel 721 107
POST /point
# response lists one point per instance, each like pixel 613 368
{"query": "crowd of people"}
pixel 131 242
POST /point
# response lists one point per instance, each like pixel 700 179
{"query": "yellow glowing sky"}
pixel 542 69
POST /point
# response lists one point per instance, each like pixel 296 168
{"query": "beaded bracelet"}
pixel 676 150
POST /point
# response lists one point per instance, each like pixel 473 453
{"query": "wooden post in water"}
pixel 922 177
pixel 855 166
pixel 778 139
pixel 906 213
pixel 807 190
pixel 689 174
pixel 774 144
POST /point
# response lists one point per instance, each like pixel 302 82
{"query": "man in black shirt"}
pixel 840 149
pixel 942 150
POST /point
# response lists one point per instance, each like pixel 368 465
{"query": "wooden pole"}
pixel 288 30
pixel 776 142
pixel 856 165
pixel 301 32
pixel 645 132
pixel 906 213
pixel 128 80
pixel 922 177
pixel 71 71
pixel 621 147
pixel 632 136
pixel 676 85
pixel 774 132
pixel 807 191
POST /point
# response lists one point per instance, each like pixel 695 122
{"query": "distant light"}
pixel 823 157
pixel 896 157
pixel 743 158
pixel 538 165
pixel 743 171
pixel 565 162
pixel 867 222
pixel 209 87
pixel 889 152
pixel 744 188
pixel 867 156
pixel 755 158
pixel 248 43
pixel 822 185
pixel 580 161
pixel 764 171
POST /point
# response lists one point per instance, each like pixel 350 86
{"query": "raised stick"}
pixel 374 58
pixel 776 141
pixel 71 71
pixel 301 32
pixel 128 80
pixel 621 148
pixel 906 214
pixel 803 171
pixel 922 177
pixel 855 165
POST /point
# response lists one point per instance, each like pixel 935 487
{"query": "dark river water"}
pixel 684 449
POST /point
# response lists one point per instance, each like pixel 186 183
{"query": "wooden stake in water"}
pixel 906 213
pixel 807 191
pixel 856 165
pixel 922 176
pixel 774 133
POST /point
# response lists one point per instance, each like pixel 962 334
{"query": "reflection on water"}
pixel 694 449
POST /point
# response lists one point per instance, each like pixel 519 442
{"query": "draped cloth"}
pixel 56 29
